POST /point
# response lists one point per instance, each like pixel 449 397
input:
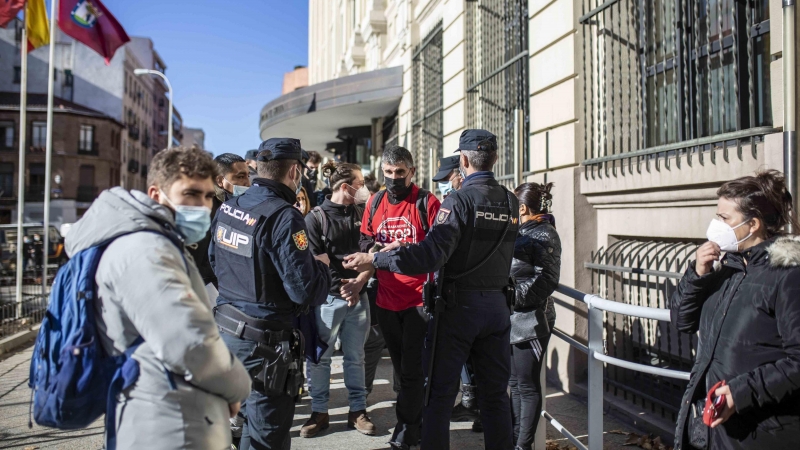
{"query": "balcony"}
pixel 144 171
pixel 35 193
pixel 36 147
pixel 86 193
pixel 133 132
pixel 146 139
pixel 88 148
pixel 133 166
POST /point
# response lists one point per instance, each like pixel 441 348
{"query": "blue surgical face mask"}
pixel 299 183
pixel 239 190
pixel 446 188
pixel 192 222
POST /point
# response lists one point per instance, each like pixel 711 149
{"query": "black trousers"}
pixel 478 328
pixel 526 389
pixel 373 348
pixel 404 333
pixel 267 420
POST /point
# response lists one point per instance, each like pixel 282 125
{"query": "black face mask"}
pixel 397 187
pixel 311 174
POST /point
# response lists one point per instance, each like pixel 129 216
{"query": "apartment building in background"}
pixel 193 137
pixel 636 111
pixel 83 79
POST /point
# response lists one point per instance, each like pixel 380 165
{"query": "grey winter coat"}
pixel 147 288
pixel 748 316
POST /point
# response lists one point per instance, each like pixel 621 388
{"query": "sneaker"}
pixel 462 414
pixel 318 422
pixel 477 426
pixel 360 421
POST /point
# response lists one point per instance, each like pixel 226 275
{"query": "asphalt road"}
pixel 15 399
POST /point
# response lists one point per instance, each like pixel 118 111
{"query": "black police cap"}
pixel 280 148
pixel 470 139
pixel 446 166
pixel 251 155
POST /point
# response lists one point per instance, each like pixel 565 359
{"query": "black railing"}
pixel 133 166
pixel 86 193
pixel 20 316
pixel 644 273
pixel 668 81
pixel 35 193
pixel 88 148
pixel 133 132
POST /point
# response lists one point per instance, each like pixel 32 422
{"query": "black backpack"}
pixel 422 207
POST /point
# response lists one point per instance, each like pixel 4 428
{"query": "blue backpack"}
pixel 74 381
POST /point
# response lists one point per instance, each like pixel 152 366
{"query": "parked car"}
pixel 33 253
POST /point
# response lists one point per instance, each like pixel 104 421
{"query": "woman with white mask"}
pixel 334 230
pixel 743 296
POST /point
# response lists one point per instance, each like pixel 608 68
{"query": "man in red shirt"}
pixel 402 213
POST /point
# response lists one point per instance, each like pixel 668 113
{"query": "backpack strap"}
pixel 322 218
pixel 373 206
pixel 422 207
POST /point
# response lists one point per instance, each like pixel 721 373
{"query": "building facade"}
pixel 86 157
pixel 636 111
pixel 82 77
pixel 192 137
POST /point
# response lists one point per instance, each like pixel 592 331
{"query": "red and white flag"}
pixel 9 10
pixel 89 22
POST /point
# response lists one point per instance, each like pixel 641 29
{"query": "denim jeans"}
pixel 351 324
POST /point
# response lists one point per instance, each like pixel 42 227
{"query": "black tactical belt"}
pixel 234 322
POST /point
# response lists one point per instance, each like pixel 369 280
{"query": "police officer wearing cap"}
pixel 448 177
pixel 267 275
pixel 250 158
pixel 472 242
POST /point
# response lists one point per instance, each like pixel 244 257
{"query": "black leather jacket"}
pixel 537 268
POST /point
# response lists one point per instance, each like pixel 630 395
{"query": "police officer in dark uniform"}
pixel 448 177
pixel 267 275
pixel 473 241
pixel 250 158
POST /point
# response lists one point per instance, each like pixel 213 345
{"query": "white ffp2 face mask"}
pixel 724 235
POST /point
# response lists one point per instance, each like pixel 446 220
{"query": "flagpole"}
pixel 23 128
pixel 48 165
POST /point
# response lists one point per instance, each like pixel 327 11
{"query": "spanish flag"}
pixel 36 22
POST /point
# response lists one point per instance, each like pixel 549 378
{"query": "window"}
pixel 86 143
pixel 86 175
pixel 6 180
pixel 36 181
pixel 7 135
pixel 39 135
pixel 17 75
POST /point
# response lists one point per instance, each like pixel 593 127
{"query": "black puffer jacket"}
pixel 748 314
pixel 537 268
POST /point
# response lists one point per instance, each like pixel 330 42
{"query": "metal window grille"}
pixel 497 77
pixel 644 273
pixel 427 105
pixel 667 79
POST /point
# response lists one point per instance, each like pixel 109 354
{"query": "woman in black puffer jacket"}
pixel 747 310
pixel 536 267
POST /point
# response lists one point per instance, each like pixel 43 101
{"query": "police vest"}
pixel 246 273
pixel 488 212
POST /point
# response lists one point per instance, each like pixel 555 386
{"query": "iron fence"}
pixel 18 316
pixel 497 94
pixel 671 79
pixel 428 105
pixel 643 273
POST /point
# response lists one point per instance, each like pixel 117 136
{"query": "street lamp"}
pixel 138 72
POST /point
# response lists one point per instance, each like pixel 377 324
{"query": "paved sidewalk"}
pixel 15 398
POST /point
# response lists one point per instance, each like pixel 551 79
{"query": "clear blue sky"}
pixel 225 59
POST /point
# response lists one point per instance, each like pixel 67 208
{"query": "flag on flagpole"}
pixel 89 22
pixel 38 28
pixel 9 10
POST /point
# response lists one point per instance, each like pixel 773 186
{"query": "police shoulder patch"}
pixel 443 215
pixel 300 240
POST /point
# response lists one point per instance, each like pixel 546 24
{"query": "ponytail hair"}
pixel 338 174
pixel 764 197
pixel 536 197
